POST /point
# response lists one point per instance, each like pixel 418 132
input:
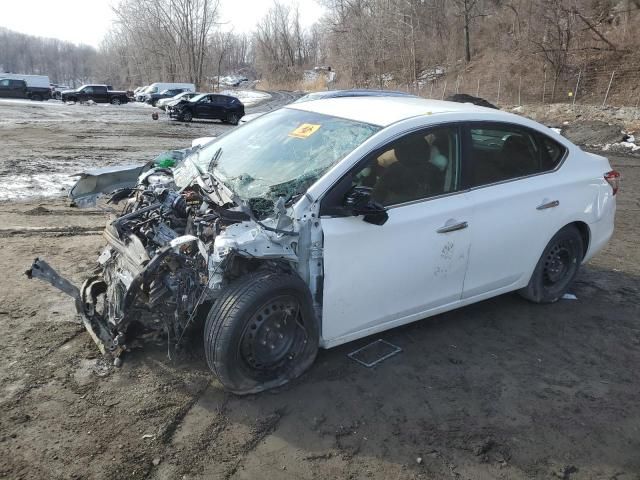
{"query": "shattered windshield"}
pixel 281 154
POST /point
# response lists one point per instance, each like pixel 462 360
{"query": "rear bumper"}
pixel 601 231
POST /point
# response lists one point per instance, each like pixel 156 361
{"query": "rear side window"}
pixel 552 152
pixel 501 152
pixel 99 89
pixel 4 83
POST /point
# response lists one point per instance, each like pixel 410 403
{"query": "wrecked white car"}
pixel 330 220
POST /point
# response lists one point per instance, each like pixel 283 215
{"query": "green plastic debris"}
pixel 166 162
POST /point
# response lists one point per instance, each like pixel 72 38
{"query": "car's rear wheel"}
pixel 187 116
pixel 261 333
pixel 36 98
pixel 232 118
pixel 116 101
pixel 557 267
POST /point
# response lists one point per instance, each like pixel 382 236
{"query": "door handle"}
pixel 453 227
pixel 544 206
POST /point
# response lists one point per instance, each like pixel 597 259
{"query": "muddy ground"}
pixel 500 389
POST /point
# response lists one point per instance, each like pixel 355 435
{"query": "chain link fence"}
pixel 617 85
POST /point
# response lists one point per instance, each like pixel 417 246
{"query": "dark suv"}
pixel 208 105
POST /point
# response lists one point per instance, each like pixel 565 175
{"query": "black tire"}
pixel 187 116
pixel 557 267
pixel 36 98
pixel 116 101
pixel 249 344
pixel 154 103
pixel 233 119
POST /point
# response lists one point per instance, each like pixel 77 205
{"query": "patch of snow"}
pixel 233 80
pixel 248 97
pixel 318 73
pixel 38 185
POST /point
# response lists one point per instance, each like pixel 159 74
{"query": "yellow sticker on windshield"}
pixel 305 130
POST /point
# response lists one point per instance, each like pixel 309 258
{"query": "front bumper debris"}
pixel 84 299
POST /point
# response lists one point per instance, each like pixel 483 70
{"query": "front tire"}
pixel 261 333
pixel 187 116
pixel 557 267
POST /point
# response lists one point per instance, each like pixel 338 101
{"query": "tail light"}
pixel 613 179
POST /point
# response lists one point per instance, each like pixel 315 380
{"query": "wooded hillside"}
pixel 509 51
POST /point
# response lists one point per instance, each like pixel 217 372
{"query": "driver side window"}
pixel 416 166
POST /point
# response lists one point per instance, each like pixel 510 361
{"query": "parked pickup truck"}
pixel 97 93
pixel 12 88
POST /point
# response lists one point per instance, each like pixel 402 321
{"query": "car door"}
pixel 203 107
pixel 517 197
pixel 100 94
pixel 6 89
pixel 379 276
pixel 217 107
pixel 85 94
pixel 16 89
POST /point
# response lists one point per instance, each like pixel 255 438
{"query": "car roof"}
pixel 384 111
pixel 353 92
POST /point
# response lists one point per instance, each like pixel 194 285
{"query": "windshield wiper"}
pixel 213 163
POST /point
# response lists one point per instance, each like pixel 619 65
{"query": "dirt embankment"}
pixel 500 389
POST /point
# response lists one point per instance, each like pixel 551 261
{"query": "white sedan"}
pixel 331 220
pixel 411 208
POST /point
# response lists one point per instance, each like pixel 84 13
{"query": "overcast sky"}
pixel 86 21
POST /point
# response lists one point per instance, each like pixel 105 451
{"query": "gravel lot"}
pixel 500 389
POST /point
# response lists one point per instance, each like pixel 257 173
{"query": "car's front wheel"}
pixel 187 116
pixel 557 267
pixel 262 332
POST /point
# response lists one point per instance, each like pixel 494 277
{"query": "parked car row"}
pixel 38 88
pixel 156 91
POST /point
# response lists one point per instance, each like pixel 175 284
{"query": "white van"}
pixel 159 87
pixel 39 81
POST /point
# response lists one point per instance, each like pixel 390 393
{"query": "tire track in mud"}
pixel 57 231
pixel 212 437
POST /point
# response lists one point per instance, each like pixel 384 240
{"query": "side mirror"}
pixel 359 202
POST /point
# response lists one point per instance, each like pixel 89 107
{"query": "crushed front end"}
pixel 168 255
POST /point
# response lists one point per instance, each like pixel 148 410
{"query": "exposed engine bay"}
pixel 169 254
